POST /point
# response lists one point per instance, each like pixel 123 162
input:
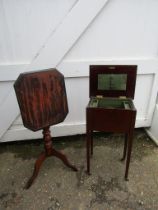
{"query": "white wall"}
pixel 26 26
pixel 124 29
pixel 71 35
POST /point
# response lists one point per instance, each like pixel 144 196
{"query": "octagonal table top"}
pixel 42 98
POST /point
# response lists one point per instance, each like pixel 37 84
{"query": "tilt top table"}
pixel 43 102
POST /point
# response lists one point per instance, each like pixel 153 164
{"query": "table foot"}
pixel 37 166
pixel 88 173
pixel 126 179
pixel 63 157
pixel 122 159
pixel 41 159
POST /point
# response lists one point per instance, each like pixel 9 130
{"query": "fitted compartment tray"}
pixel 110 103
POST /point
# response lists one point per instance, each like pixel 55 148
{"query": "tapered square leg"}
pixel 88 147
pixel 125 147
pixel 129 150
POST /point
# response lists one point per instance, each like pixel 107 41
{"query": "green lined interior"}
pixel 110 103
pixel 112 81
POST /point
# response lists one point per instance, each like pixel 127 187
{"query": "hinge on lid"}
pixel 99 96
pixel 122 97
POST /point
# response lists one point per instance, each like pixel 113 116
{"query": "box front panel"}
pixel 110 120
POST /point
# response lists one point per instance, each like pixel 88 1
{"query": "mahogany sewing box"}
pixel 111 107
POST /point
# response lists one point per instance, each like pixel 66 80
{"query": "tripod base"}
pixel 49 151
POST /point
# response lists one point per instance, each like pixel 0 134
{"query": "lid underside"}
pixel 113 80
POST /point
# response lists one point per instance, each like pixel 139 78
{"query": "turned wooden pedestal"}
pixel 42 101
pixel 49 151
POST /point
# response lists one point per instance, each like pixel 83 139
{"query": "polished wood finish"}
pixel 49 151
pixel 112 119
pixel 130 70
pixel 42 100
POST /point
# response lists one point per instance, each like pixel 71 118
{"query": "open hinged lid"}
pixel 113 80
